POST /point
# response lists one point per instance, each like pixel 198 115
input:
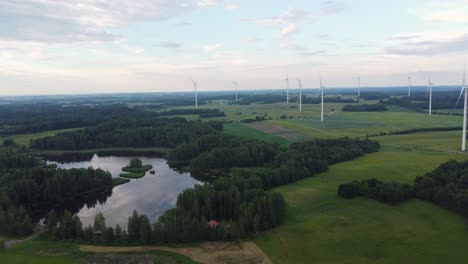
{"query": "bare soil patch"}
pixel 209 252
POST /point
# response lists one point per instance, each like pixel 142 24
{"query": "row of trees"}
pixel 446 186
pixel 387 192
pixel 153 132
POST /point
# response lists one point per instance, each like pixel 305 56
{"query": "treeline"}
pixel 202 113
pixel 336 99
pixel 373 96
pixel 33 118
pixel 420 101
pixel 27 187
pixel 415 130
pixel 446 186
pixel 142 132
pixel 365 108
pixel 387 192
pixel 223 151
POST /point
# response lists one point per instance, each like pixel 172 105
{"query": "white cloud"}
pixel 211 47
pixel 53 21
pixel 231 6
pixel 429 44
pixel 288 30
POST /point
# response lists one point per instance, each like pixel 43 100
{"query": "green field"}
pixel 25 139
pixel 242 130
pixel 47 252
pixel 323 228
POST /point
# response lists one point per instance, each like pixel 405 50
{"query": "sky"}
pixel 99 46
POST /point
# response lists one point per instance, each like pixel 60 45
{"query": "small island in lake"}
pixel 135 169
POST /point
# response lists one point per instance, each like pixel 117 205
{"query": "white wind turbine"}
pixel 321 90
pixel 464 90
pixel 299 83
pixel 359 86
pixel 235 86
pixel 195 85
pixel 409 85
pixel 429 87
pixel 287 89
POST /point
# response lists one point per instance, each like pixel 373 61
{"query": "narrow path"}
pixel 14 242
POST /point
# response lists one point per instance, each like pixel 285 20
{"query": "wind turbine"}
pixel 359 86
pixel 464 90
pixel 409 85
pixel 287 89
pixel 195 85
pixel 321 90
pixel 429 87
pixel 299 83
pixel 235 86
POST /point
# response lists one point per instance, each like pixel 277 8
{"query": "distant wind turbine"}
pixel 299 83
pixel 287 89
pixel 409 85
pixel 235 86
pixel 464 90
pixel 359 86
pixel 321 90
pixel 429 87
pixel 195 85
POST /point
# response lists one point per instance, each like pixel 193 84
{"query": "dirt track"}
pixel 209 252
pixel 273 129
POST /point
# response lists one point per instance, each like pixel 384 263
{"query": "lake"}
pixel 152 195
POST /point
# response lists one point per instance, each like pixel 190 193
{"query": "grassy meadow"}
pixel 321 227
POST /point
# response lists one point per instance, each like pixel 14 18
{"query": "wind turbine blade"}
pixel 459 97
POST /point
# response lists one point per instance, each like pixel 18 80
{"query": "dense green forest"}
pixel 141 132
pixel 38 117
pixel 28 188
pixel 446 186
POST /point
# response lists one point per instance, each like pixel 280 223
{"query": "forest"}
pixel 38 117
pixel 141 132
pixel 28 187
pixel 446 186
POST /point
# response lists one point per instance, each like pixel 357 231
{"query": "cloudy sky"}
pixel 94 46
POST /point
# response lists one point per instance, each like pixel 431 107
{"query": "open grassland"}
pixel 25 139
pixel 242 130
pixel 307 124
pixel 322 228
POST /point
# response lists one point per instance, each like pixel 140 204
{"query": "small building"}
pixel 213 224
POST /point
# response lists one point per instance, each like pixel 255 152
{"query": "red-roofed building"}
pixel 213 224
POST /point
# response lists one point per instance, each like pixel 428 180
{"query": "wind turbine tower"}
pixel 359 86
pixel 409 85
pixel 299 82
pixel 235 86
pixel 287 89
pixel 430 96
pixel 464 90
pixel 321 90
pixel 195 85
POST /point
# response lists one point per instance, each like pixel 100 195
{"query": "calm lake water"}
pixel 152 195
